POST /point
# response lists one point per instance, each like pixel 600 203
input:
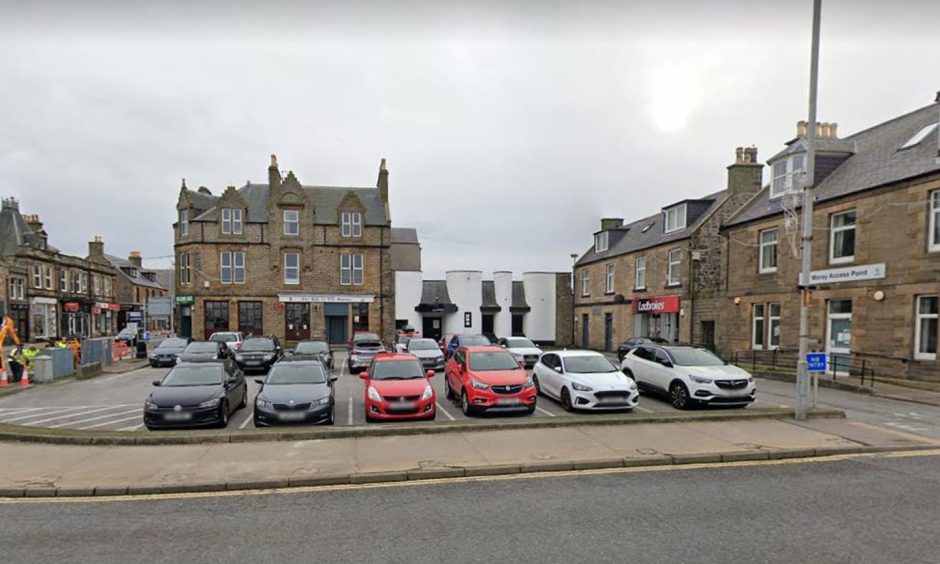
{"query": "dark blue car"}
pixel 465 341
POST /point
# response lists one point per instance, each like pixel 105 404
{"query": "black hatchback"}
pixel 295 391
pixel 259 354
pixel 202 394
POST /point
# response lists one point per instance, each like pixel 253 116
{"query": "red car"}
pixel 397 388
pixel 488 378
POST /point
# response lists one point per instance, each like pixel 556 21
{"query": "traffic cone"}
pixel 4 382
pixel 24 379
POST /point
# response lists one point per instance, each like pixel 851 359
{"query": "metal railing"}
pixel 864 367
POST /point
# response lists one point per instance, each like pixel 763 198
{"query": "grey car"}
pixel 204 351
pixel 310 350
pixel 295 392
pixel 427 351
pixel 166 353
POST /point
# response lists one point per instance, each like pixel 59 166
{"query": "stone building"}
pixel 876 251
pixel 49 294
pixel 660 276
pixel 282 258
pixel 134 285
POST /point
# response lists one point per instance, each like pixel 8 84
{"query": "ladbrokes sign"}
pixel 656 304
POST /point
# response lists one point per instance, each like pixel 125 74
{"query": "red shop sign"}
pixel 70 306
pixel 656 304
pixel 115 307
pixel 96 311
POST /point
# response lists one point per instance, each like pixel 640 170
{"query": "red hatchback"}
pixel 488 378
pixel 397 388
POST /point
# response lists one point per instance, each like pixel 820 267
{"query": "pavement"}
pixel 55 470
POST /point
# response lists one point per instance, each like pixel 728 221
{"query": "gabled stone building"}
pixel 660 276
pixel 134 285
pixel 282 258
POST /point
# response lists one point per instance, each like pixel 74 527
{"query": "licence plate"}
pixel 402 405
pixel 253 362
pixel 509 402
pixel 183 416
pixel 290 416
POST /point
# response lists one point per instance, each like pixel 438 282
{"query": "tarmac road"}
pixel 859 510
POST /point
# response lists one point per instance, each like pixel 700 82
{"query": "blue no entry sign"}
pixel 816 362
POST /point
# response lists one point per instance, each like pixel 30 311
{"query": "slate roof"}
pixel 14 232
pixel 635 236
pixel 518 297
pixel 166 278
pixel 120 263
pixel 878 160
pixel 489 297
pixel 405 235
pixel 326 200
pixel 435 292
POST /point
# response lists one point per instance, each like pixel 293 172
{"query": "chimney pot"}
pixel 273 161
pixel 801 128
pixel 832 130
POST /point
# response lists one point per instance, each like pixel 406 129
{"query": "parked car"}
pixel 486 378
pixel 584 380
pixel 166 353
pixel 634 342
pixel 523 349
pixel 465 341
pixel 319 349
pixel 427 352
pixel 259 353
pixel 232 339
pixel 196 395
pixel 444 341
pixel 128 334
pixel 201 351
pixel 362 349
pixel 397 387
pixel 296 391
pixel 688 376
pixel 401 341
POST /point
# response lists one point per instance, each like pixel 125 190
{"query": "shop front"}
pixel 184 307
pixel 43 314
pixel 104 315
pixel 657 317
pixel 342 314
pixel 75 319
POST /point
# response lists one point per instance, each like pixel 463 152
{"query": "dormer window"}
pixel 675 219
pixel 231 221
pixel 787 175
pixel 184 222
pixel 600 242
pixel 919 136
pixel 352 224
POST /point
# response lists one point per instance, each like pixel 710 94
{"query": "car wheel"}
pixel 679 396
pixel 244 402
pixel 566 400
pixel 465 404
pixel 223 415
pixel 433 416
pixel 538 389
pixel 332 418
pixel 448 393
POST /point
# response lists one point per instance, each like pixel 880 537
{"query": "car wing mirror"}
pixel 429 373
pixel 558 369
pixel 156 382
pixel 259 381
pixel 333 379
pixel 364 375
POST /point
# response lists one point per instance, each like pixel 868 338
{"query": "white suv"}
pixel 688 376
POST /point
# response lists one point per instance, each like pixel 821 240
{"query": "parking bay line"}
pixel 132 427
pixel 444 411
pixel 137 417
pixel 105 416
pixel 545 411
pixel 62 409
pixel 246 421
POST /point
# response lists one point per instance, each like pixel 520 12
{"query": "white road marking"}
pixel 545 411
pixel 247 420
pixel 60 410
pixel 98 418
pixel 444 411
pixel 643 409
pixel 350 411
pixel 17 410
pixel 137 417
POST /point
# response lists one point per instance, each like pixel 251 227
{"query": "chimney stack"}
pixel 134 258
pixel 746 174
pixel 96 247
pixel 11 203
pixel 382 182
pixel 274 174
pixel 609 223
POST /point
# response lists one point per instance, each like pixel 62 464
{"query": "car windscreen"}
pixel 397 370
pixel 472 340
pixel 223 337
pixel 365 337
pixel 422 345
pixel 492 360
pixel 207 375
pixel 172 344
pixel 402 339
pixel 288 373
pixel 312 347
pixel 694 357
pixel 202 347
pixel 519 343
pixel 258 345
pixel 588 364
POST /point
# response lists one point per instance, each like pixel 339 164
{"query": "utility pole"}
pixel 806 246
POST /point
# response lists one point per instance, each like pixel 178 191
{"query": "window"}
pixel 75 277
pixel 351 270
pixel 919 136
pixel 17 289
pixel 237 221
pixel 585 283
pixel 291 222
pixel 231 221
pixel 48 278
pixel 238 258
pixel 600 242
pixel 225 268
pixel 768 251
pixel 96 284
pixel 250 318
pixel 185 274
pixel 787 176
pixel 758 328
pixel 63 280
pixel 773 326
pixel 934 240
pixel 842 237
pixel 84 286
pixel 675 219
pixel 672 272
pixel 352 224
pixel 37 276
pixel 357 270
pixel 226 221
pixel 925 337
pixel 184 222
pixel 610 279
pixel 107 286
pixel 292 268
pixel 640 283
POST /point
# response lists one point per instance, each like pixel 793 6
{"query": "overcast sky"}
pixel 510 128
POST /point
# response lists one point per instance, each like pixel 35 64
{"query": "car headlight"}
pixel 631 384
pixel 178 360
pixel 152 355
pixel 428 392
pixel 528 383
pixel 320 402
pixel 374 394
pixel 239 357
pixel 581 387
pixel 210 403
pixel 479 385
pixel 699 379
pixel 750 380
pixel 268 356
pixel 150 406
pixel 263 403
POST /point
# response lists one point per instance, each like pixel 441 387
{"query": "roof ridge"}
pixel 886 122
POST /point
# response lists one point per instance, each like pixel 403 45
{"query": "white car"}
pixel 232 339
pixel 688 375
pixel 584 380
pixel 522 349
pixel 427 351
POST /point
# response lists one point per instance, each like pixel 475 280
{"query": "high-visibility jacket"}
pixel 28 356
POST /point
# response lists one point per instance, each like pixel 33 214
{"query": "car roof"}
pixel 300 360
pixel 393 356
pixel 576 352
pixel 483 348
pixel 185 363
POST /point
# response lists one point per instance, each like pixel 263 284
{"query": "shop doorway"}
pixel 517 325
pixel 297 322
pixel 608 332
pixel 839 335
pixel 186 322
pixel 585 330
pixel 488 324
pixel 431 328
pixel 337 316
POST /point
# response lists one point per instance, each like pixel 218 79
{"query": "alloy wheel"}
pixel 565 399
pixel 679 396
pixel 465 403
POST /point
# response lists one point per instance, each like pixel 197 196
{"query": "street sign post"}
pixel 816 362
